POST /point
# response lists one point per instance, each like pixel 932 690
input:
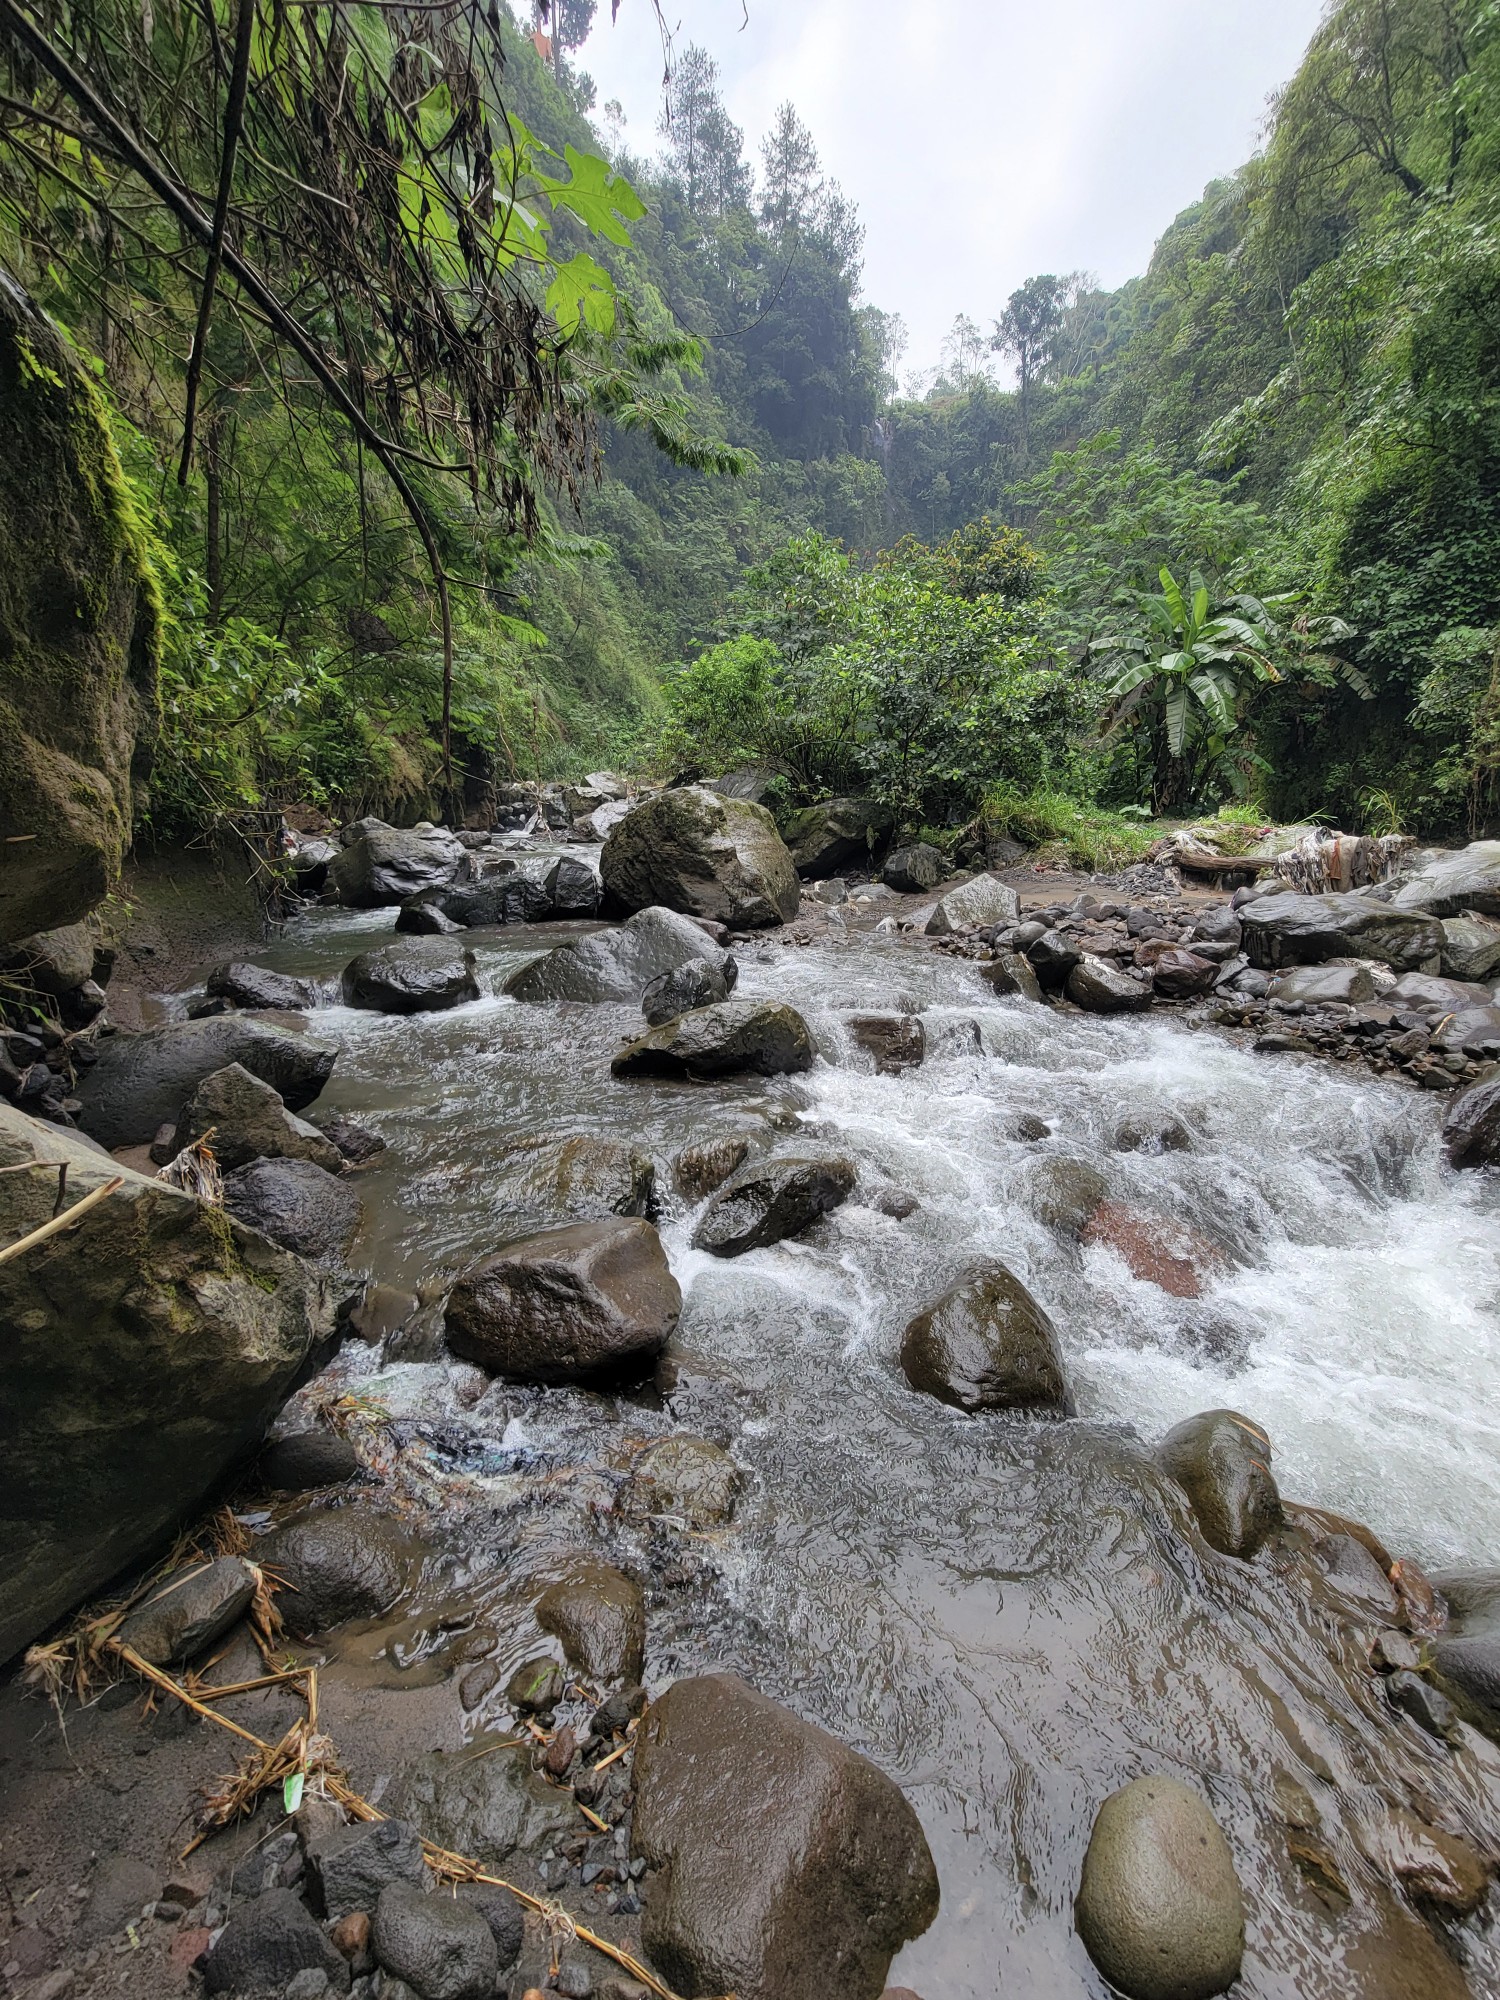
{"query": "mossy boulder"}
pixel 146 1348
pixel 709 856
pixel 79 633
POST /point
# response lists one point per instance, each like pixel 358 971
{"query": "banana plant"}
pixel 1196 665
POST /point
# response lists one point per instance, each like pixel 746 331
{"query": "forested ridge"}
pixel 573 450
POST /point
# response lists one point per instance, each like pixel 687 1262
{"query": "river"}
pixel 1007 1615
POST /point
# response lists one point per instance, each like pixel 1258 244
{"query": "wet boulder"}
pixel 443 1949
pixel 357 1143
pixel 81 625
pixel 410 979
pixel 1422 993
pixel 1223 1463
pixel 698 1170
pixel 1467 1652
pixel 141 1081
pixel 765 1037
pixel 489 1808
pixel 598 1616
pixel 1471 948
pixel 1054 957
pixel 1325 985
pixel 977 905
pixel 268 1941
pixel 619 964
pixel 302 1461
pixel 335 1565
pixel 310 861
pixel 188 1610
pixel 569 1305
pixel 985 1344
pixel 256 986
pixel 1451 884
pixel 1292 929
pixel 1065 1193
pixel 1475 1031
pixel 577 1178
pixel 772 1199
pixel 1160 1907
pixel 298 1204
pixel 1471 1130
pixel 705 854
pixel 147 1347
pixel 699 983
pixel 912 871
pixel 419 918
pixel 896 1041
pixel 834 834
pixel 56 962
pixel 386 865
pixel 1010 972
pixel 348 1868
pixel 249 1122
pixel 1101 988
pixel 788 1867
pixel 688 1479
pixel 1181 975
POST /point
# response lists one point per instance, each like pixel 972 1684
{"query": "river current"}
pixel 1010 1616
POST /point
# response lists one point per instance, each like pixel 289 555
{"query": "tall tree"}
pixel 1026 330
pixel 791 178
pixel 705 148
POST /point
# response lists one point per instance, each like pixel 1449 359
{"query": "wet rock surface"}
pixel 770 1200
pixel 1160 1906
pixel 705 854
pixel 787 1866
pixel 248 1121
pixel 824 838
pixel 140 1081
pixel 296 1203
pixel 335 1566
pixel 594 1299
pixel 410 979
pixel 619 964
pixel 1222 1462
pixel 137 1370
pixel 985 1344
pixel 598 1617
pixel 734 1036
pixel 189 1611
pixel 386 864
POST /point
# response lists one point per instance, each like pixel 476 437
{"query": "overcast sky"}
pixel 984 140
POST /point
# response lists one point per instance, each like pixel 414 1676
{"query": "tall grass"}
pixel 1067 830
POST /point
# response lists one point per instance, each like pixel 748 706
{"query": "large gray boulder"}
pixel 568 1305
pixel 410 977
pixel 1291 929
pixel 1450 884
pixel 53 962
pixel 699 983
pixel 1471 1131
pixel 505 889
pixel 188 1610
pixel 984 902
pixel 486 1807
pixel 1467 1653
pixel 771 1200
pixel 765 1037
pixel 298 1204
pixel 914 870
pixel 1101 988
pixel 334 1565
pixel 79 633
pixel 620 964
pixel 141 1081
pixel 1159 1906
pixel 249 1122
pixel 985 1344
pixel 1222 1462
pixel 1471 948
pixel 1327 985
pixel 386 865
pixel 708 855
pixel 788 1866
pixel 824 838
pixel 268 1940
pixel 146 1349
pixel 597 1615
pixel 258 986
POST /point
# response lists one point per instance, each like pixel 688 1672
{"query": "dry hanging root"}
pixel 303 1750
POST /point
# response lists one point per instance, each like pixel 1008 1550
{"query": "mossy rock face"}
pixel 146 1348
pixel 79 633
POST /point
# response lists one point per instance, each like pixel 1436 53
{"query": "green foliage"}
pixel 1065 828
pixel 918 681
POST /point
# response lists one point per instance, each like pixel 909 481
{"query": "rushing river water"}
pixel 1012 1617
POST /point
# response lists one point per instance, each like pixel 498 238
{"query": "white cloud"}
pixel 985 142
